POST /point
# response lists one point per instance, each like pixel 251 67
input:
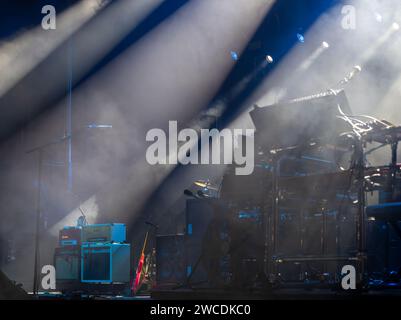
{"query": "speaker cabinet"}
pixel 171 260
pixel 105 263
pixel 67 263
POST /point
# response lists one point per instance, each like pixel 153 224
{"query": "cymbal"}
pixel 205 184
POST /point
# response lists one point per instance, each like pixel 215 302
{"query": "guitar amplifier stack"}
pixel 92 256
pixel 67 258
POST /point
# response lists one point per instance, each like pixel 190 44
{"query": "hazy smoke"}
pixel 171 74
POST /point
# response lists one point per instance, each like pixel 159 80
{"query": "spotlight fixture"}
pixel 379 17
pixel 269 59
pixel 325 45
pixel 396 26
pixel 301 38
pixel 234 55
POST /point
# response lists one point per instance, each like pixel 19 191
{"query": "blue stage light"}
pixel 301 38
pixel 234 55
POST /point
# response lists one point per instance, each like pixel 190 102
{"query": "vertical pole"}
pixel 37 231
pixel 272 225
pixel 361 226
pixel 394 169
pixel 69 114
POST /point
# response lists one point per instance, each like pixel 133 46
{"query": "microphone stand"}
pixel 40 149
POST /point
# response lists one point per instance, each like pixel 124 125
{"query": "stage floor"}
pixel 281 294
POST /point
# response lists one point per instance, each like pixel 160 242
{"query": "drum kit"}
pixel 311 188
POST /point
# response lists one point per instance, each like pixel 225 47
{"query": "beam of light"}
pixel 92 43
pixel 312 58
pixel 356 48
pixel 206 118
pixel 317 68
pixel 182 61
pixel 20 54
pixel 205 121
pixel 389 105
pixel 297 72
pixel 86 47
pixel 346 49
pixel 379 43
pixel 90 209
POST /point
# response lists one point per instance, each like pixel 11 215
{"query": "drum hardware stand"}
pixel 361 225
pixel 393 166
pixel 272 220
pixel 392 181
pixel 271 224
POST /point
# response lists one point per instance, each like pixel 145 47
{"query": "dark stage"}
pixel 200 150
